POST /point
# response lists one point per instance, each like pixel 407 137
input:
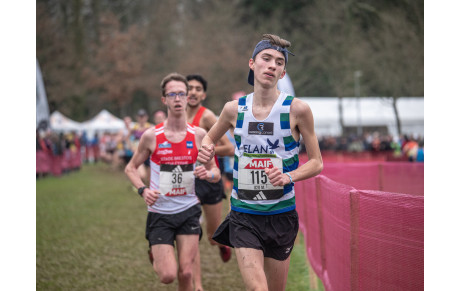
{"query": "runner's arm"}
pixel 209 171
pixel 223 147
pixel 140 155
pixel 226 121
pixel 302 118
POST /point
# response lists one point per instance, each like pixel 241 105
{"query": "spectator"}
pixel 158 116
pixel 410 149
pixel 136 131
pixel 420 152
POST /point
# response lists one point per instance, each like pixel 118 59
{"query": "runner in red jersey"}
pixel 173 208
pixel 210 194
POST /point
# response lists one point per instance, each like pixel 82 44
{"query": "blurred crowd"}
pixel 405 147
pixel 59 153
pixel 56 152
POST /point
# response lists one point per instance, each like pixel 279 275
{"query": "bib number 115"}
pixel 259 177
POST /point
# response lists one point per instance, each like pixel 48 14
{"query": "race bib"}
pixel 176 180
pixel 253 182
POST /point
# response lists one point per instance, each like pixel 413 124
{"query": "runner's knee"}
pixel 166 277
pixel 185 275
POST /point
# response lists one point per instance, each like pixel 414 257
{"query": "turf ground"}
pixel 90 236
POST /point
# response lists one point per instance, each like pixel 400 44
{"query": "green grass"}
pixel 298 278
pixel 90 236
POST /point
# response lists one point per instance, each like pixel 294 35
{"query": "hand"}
pixel 150 196
pixel 206 153
pixel 276 177
pixel 201 172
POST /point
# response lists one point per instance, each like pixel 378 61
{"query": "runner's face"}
pixel 176 104
pixel 268 67
pixel 196 93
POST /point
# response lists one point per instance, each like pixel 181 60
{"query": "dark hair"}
pixel 276 40
pixel 200 79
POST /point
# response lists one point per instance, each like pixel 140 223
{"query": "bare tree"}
pixel 397 57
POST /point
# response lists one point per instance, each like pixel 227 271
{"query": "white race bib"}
pixel 253 182
pixel 176 180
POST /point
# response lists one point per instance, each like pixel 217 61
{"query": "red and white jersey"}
pixel 171 172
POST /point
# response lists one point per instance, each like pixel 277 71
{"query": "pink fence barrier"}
pixel 345 157
pixel 400 177
pixel 47 163
pixel 43 162
pixel 361 239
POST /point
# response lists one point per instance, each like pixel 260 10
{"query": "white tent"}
pixel 104 121
pixel 61 123
pixel 367 111
pixel 285 85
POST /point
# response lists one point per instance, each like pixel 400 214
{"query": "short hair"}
pixel 173 77
pixel 200 79
pixel 276 40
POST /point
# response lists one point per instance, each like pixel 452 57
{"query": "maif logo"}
pixel 176 192
pixel 259 164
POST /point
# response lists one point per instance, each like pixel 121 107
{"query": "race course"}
pixel 90 236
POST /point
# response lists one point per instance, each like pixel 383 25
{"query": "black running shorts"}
pixel 209 193
pixel 273 234
pixel 163 228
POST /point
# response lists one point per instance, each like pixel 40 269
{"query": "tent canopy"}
pixel 61 123
pixel 104 121
pixel 368 111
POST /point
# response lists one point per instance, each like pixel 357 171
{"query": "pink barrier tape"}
pixel 43 162
pixel 345 157
pixel 334 215
pixel 400 177
pixel 358 175
pixel 389 241
pixel 56 166
pixel 65 161
pixel 306 199
pixel 47 163
pixel 361 239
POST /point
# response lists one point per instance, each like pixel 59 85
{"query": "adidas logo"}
pixel 260 196
pixel 177 169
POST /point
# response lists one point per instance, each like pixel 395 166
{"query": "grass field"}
pixel 90 236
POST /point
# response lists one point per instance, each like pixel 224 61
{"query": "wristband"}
pixel 140 191
pixel 290 178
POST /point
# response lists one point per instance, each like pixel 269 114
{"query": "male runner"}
pixel 173 208
pixel 210 194
pixel 263 223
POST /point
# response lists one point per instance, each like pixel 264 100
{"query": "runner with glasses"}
pixel 173 208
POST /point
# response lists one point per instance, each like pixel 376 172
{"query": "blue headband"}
pixel 263 45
